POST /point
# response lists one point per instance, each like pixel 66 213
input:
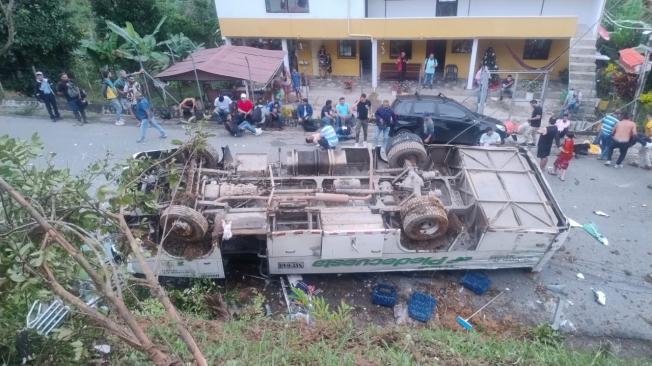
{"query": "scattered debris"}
pixel 464 322
pixel 421 306
pixel 384 295
pixel 478 282
pixel 102 348
pixel 570 303
pixel 556 319
pixel 601 213
pixel 580 276
pixel 556 288
pixel 600 297
pixel 400 313
pixel 592 230
pixel 627 272
pixel 648 278
pixel 574 223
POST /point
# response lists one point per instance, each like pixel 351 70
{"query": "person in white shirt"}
pixel 562 125
pixel 222 106
pixel 489 138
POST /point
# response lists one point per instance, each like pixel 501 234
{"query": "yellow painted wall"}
pixel 505 61
pixel 402 28
pixel 304 55
pixel 350 67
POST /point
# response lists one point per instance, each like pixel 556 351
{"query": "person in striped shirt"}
pixel 326 138
pixel 604 138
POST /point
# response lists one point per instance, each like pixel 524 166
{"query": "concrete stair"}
pixel 581 67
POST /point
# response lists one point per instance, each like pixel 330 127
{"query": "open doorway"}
pixel 365 59
pixel 438 47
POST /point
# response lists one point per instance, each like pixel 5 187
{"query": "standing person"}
pixel 545 144
pixel 75 97
pixel 120 84
pixel 130 90
pixel 624 132
pixel 362 107
pixel 564 158
pixel 304 116
pixel 110 93
pixel 401 65
pixel 146 117
pixel 385 117
pixel 535 122
pixel 604 138
pixel 323 66
pixel 489 138
pixel 344 115
pixel 645 150
pixel 327 114
pixel 296 83
pixel 562 128
pixel 429 67
pixel 287 84
pixel 428 129
pixel 44 93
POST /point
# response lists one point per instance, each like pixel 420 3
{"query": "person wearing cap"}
pixel 245 107
pixel 146 117
pixel 44 93
pixel 304 116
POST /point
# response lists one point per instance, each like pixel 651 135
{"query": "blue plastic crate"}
pixel 383 295
pixel 477 282
pixel 421 306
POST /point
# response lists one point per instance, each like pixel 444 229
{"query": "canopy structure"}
pixel 227 63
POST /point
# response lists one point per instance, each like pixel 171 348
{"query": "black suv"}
pixel 454 123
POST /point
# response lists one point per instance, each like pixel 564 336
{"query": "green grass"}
pixel 263 341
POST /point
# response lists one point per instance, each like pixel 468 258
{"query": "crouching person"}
pixel 326 138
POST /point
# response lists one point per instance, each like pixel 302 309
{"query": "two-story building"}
pixel 365 36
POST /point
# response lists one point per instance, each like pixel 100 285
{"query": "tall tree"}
pixel 144 14
pixel 196 19
pixel 7 10
pixel 45 38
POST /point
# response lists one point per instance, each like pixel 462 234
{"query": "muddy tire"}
pixel 424 218
pixel 184 222
pixel 407 150
pixel 403 135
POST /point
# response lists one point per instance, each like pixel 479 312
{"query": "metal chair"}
pixel 450 72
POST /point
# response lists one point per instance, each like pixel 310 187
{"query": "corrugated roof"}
pixel 225 63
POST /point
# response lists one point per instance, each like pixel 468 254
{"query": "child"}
pixel 565 155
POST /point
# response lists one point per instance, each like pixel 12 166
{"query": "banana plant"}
pixel 139 48
pixel 101 52
pixel 179 46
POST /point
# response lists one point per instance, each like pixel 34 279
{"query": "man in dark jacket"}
pixel 385 118
pixel 304 116
pixel 75 96
pixel 44 93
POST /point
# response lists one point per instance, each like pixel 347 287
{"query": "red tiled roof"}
pixel 630 58
pixel 226 63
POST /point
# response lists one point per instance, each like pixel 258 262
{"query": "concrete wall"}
pixel 341 66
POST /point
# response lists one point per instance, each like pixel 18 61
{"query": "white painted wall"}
pixel 587 11
pixel 331 9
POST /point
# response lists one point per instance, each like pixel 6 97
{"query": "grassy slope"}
pixel 270 342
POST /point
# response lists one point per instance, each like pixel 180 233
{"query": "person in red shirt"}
pixel 245 109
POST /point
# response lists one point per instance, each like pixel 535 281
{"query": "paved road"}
pixel 619 269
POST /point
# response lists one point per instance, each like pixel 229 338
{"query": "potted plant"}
pixel 532 87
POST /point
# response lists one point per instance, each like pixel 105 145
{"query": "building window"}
pixel 395 48
pixel 536 49
pixel 346 49
pixel 462 46
pixel 286 6
pixel 446 8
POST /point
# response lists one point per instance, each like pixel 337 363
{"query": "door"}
pixel 456 125
pixel 438 47
pixel 365 59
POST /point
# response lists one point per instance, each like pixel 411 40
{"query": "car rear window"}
pixel 403 107
pixel 424 107
pixel 451 111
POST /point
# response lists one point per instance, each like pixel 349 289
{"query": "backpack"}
pixel 257 115
pixel 72 90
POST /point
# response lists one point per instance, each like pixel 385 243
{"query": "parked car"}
pixel 454 123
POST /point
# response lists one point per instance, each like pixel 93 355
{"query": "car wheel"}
pixel 407 150
pixel 424 218
pixel 185 222
pixel 403 135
